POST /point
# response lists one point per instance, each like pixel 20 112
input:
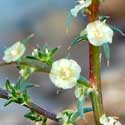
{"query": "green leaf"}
pixel 53 51
pixel 26 98
pixel 82 78
pixel 25 85
pixel 102 18
pixel 76 114
pixel 83 81
pixel 33 116
pixel 31 57
pixel 8 86
pixel 80 106
pixel 84 34
pixel 69 19
pixel 88 109
pixel 77 40
pixel 17 85
pixel 17 92
pixel 115 29
pixel 106 48
pixel 9 102
pixel 27 39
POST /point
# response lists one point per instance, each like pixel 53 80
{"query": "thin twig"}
pixel 32 106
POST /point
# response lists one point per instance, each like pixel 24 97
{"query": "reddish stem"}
pixel 91 66
pixel 94 67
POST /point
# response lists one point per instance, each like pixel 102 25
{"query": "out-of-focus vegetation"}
pixel 46 19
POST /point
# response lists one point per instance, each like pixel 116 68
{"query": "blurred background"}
pixel 46 19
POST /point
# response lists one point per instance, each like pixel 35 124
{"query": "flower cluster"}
pixel 44 54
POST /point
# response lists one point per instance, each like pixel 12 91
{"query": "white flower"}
pixel 14 52
pixel 99 33
pixel 65 73
pixel 109 120
pixel 82 4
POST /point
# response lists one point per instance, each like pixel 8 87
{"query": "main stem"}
pixel 95 67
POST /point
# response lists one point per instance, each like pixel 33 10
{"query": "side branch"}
pixel 42 67
pixel 32 106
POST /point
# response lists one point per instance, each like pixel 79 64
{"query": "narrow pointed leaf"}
pixel 8 85
pixel 33 116
pixel 88 109
pixel 53 51
pixel 106 48
pixel 27 39
pixel 102 18
pixel 78 40
pixel 17 86
pixel 9 102
pixel 31 57
pixel 25 85
pixel 75 116
pixel 82 80
pixel 80 106
pixel 116 29
pixel 69 20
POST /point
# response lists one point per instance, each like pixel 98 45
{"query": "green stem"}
pixel 95 79
pixel 95 68
pixel 42 67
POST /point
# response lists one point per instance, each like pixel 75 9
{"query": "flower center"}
pixel 65 73
pixel 98 34
pixel 14 53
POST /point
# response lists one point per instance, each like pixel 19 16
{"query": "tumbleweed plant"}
pixel 64 73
